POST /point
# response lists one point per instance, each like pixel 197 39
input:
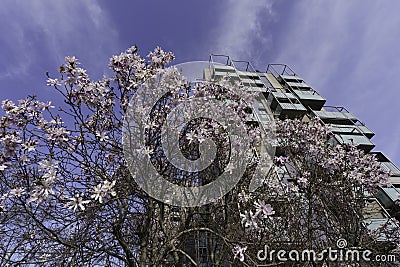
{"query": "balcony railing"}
pixel 308 94
pixel 241 71
pixel 291 78
pixel 281 76
pixel 374 224
pixel 301 85
pixel 290 110
pixel 374 210
pixel 390 167
pixel 292 106
pixel 388 196
pixel 280 69
pixel 360 141
pixel 310 98
pixel 386 164
pixel 281 95
pixel 336 114
pixel 351 129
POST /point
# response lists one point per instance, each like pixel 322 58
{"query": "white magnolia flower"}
pixel 146 151
pixel 56 122
pixel 263 209
pixel 77 202
pixel 29 147
pixel 102 136
pixel 17 192
pixel 43 190
pixel 243 196
pixel 107 187
pixel 249 220
pixel 71 60
pixel 4 196
pixel 48 164
pixel 50 176
pixel 38 195
pixel 192 136
pixel 103 190
pixel 97 193
pixel 52 82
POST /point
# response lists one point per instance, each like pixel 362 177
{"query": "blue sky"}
pixel 347 50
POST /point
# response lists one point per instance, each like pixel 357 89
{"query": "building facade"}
pixel 283 94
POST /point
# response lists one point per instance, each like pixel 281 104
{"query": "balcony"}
pixel 388 196
pixel 237 71
pixel 282 95
pixel 391 168
pixel 351 129
pixel 336 115
pixel 387 165
pixel 361 141
pixel 375 224
pixel 374 210
pixel 290 78
pixel 281 76
pixel 274 97
pixel 285 105
pixel 221 66
pixel 298 85
pixel 290 110
pixel 375 216
pixel 293 81
pixel 220 71
pixel 310 98
pixel 365 130
pixel 253 83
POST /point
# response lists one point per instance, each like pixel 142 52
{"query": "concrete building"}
pixel 282 93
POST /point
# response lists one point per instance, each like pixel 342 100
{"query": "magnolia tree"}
pixel 67 197
pixel 71 195
pixel 315 198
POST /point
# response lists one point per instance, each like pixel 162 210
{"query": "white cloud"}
pixel 240 30
pixel 348 50
pixel 318 36
pixel 56 27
